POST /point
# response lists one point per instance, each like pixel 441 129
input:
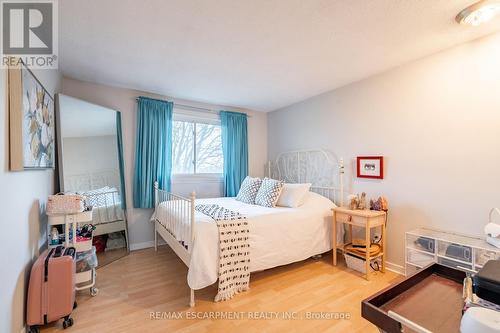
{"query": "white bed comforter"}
pixel 106 214
pixel 278 236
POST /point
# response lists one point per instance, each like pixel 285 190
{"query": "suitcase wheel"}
pixel 68 322
pixel 94 291
pixel 33 329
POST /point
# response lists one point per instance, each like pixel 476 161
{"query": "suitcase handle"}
pixel 58 251
pixel 70 251
pixel 46 270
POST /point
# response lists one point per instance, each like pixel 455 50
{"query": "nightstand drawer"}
pixel 348 218
pixel 358 220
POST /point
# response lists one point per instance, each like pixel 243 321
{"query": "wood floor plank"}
pixel 146 282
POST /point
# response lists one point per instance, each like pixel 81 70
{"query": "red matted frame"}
pixel 378 158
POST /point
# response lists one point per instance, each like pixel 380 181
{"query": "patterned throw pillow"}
pixel 248 190
pixel 269 192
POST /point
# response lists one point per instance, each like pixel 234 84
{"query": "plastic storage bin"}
pixel 86 261
pixel 458 251
pixel 419 258
pixel 356 263
pixel 455 251
pixel 411 269
pixel 421 243
pixel 483 256
pixel 453 264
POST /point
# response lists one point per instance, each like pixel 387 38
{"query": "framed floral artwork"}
pixel 31 120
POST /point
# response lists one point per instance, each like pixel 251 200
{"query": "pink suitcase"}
pixel 51 291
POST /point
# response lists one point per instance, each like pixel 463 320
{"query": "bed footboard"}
pixel 106 204
pixel 174 221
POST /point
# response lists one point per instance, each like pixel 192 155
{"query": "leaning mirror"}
pixel 91 164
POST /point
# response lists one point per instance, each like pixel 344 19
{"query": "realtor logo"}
pixel 29 33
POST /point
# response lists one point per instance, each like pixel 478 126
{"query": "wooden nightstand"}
pixel 360 218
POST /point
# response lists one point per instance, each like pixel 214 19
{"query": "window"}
pixel 196 146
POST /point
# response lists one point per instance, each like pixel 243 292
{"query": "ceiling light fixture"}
pixel 479 12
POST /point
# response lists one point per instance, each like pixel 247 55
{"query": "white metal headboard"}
pixel 92 180
pixel 319 167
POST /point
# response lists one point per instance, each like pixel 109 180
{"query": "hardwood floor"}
pixel 145 282
pixel 107 257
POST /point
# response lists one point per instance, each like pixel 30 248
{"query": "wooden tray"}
pixel 374 249
pixel 431 298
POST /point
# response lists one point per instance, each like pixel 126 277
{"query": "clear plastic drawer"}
pixel 453 264
pixel 411 269
pixel 482 256
pixel 455 251
pixel 419 258
pixel 420 243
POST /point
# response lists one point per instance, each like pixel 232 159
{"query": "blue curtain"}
pixel 119 140
pixel 153 149
pixel 235 150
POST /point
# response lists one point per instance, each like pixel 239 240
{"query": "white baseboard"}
pixel 146 245
pixel 395 268
pixel 140 246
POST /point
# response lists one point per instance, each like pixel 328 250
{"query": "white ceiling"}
pixel 255 54
pixel 83 119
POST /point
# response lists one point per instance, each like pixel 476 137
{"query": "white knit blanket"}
pixel 234 250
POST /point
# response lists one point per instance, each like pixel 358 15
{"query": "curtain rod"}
pixel 197 108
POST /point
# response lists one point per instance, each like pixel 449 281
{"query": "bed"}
pixel 278 236
pixel 102 191
pixel 107 213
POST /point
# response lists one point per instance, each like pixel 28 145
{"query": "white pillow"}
pixel 293 195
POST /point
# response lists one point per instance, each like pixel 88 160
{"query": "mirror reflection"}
pixel 90 165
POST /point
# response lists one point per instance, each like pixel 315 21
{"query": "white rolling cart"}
pixel 85 279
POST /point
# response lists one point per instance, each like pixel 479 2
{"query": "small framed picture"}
pixel 370 167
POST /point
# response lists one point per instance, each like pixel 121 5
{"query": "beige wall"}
pixel 89 154
pixel 123 100
pixel 436 121
pixel 23 196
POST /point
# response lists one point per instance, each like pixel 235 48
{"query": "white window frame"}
pixel 181 114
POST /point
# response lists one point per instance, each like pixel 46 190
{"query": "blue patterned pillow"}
pixel 248 190
pixel 269 192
